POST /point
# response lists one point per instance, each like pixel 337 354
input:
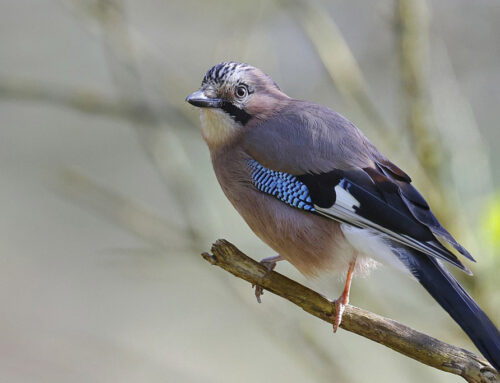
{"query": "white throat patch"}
pixel 216 125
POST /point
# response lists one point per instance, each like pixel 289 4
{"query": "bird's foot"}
pixel 343 300
pixel 340 305
pixel 270 264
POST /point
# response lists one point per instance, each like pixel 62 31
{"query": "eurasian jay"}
pixel 311 186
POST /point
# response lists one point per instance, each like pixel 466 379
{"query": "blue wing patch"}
pixel 283 186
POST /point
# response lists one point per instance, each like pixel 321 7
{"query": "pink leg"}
pixel 270 263
pixel 344 298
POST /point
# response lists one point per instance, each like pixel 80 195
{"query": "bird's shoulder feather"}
pixel 304 137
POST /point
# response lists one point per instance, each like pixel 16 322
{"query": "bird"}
pixel 312 186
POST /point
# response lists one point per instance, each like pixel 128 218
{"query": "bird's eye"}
pixel 241 91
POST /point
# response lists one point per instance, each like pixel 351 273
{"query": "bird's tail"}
pixel 445 289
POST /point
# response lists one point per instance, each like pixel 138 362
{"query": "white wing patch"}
pixel 344 198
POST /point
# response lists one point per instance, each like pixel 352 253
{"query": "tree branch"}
pixel 392 334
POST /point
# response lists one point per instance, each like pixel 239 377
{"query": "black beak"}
pixel 199 99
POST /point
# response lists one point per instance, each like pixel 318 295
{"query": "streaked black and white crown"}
pixel 221 72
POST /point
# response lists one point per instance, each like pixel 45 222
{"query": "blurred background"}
pixel 108 197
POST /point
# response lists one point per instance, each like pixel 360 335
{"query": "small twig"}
pixel 392 334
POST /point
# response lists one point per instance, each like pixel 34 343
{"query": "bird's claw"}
pixel 339 311
pixel 270 264
pixel 258 292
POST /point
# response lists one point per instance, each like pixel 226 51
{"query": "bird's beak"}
pixel 199 99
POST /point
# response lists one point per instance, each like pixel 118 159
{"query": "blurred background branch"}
pixel 413 37
pixel 412 26
pixel 338 59
pixel 82 100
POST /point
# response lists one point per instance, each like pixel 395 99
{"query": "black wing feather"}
pixel 419 208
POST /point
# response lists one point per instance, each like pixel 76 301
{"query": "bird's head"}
pixel 234 95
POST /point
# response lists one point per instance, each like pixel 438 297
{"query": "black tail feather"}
pixel 445 289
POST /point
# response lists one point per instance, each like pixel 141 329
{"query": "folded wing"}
pixel 365 198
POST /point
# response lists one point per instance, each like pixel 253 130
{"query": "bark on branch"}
pixel 409 342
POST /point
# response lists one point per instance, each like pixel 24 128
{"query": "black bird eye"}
pixel 241 91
